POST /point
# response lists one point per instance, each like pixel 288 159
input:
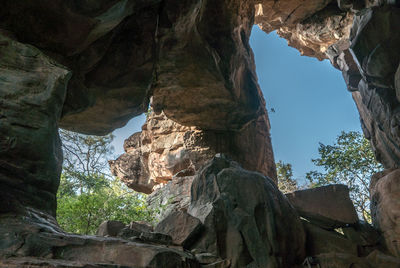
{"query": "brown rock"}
pixel 166 150
pixel 364 235
pixel 323 241
pixel 270 15
pixel 141 226
pixel 385 210
pixel 340 260
pixel 313 36
pixel 328 206
pixel 246 217
pixel 155 237
pixel 376 53
pixel 397 82
pixel 29 262
pixel 32 236
pixel 379 259
pixel 135 229
pixel 32 91
pixel 182 227
pixel 375 47
pixel 110 228
pixel 207 258
pixel 174 196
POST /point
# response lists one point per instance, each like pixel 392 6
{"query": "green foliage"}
pixel 83 213
pixel 350 160
pixel 286 183
pixel 85 165
pixel 88 194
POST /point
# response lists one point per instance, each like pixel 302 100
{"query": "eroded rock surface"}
pixel 30 106
pixel 247 220
pixel 330 205
pixel 181 226
pixel 193 58
pixel 166 150
pixel 33 239
pixel 385 208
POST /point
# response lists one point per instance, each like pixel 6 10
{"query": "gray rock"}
pixel 135 229
pixel 207 258
pixel 41 241
pixel 141 226
pixel 328 206
pixel 110 228
pixel 321 241
pixel 385 209
pixel 32 92
pixel 155 237
pixel 174 196
pixel 246 217
pixel 397 82
pixel 182 227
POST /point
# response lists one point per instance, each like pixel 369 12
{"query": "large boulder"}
pixel 247 220
pixel 375 49
pixel 181 226
pixel 173 196
pixel 321 241
pixel 365 236
pixel 35 241
pixel 328 206
pixel 385 208
pixel 32 91
pixel 110 228
pixel 165 150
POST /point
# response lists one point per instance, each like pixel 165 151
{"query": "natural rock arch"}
pixel 90 66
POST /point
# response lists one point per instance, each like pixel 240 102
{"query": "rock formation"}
pixel 90 66
pixel 164 150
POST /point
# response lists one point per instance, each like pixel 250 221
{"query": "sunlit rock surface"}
pixel 165 150
pixel 90 66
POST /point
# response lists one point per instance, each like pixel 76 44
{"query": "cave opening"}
pixel 307 100
pixel 89 67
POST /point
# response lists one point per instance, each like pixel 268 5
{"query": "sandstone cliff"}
pixel 90 66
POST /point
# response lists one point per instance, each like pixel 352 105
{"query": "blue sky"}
pixel 309 96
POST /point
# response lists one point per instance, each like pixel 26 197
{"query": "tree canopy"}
pixel 286 182
pixel 88 194
pixel 350 160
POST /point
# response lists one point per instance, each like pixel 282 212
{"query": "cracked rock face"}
pixel 165 150
pixel 30 106
pixel 90 66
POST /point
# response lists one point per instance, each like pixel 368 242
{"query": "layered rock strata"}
pixel 32 91
pixel 90 66
pixel 238 218
pixel 165 150
pixel 35 240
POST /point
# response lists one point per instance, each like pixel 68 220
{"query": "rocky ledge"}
pixel 235 218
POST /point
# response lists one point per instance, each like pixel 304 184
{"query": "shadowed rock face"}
pixel 107 45
pixel 32 90
pixel 90 66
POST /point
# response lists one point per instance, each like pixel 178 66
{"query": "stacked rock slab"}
pixel 247 220
pixel 165 150
pixel 90 66
pixel 329 206
pixel 385 209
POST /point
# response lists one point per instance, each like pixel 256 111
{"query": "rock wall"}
pixel 90 66
pixel 32 91
pixel 165 150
